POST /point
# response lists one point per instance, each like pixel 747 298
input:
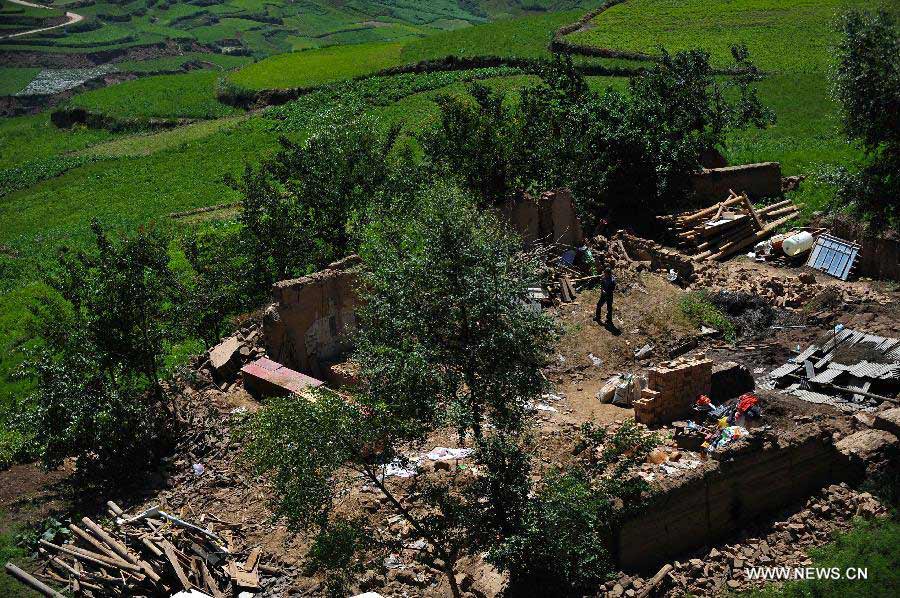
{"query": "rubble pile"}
pixel 222 363
pixel 152 554
pixel 850 370
pixel 780 290
pixel 730 226
pixel 784 543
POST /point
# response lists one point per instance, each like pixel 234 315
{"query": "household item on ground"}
pixel 797 243
pixel 833 256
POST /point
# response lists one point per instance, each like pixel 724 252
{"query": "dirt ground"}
pixel 646 312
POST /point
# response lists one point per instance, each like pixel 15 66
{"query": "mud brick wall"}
pixel 728 492
pixel 548 218
pixel 313 317
pixel 672 388
pixel 879 254
pixel 758 180
pixel 660 258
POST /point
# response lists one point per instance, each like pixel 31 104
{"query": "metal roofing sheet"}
pixel 784 370
pixel 833 256
pixel 826 376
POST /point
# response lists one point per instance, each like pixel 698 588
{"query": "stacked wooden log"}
pixel 153 554
pixel 730 226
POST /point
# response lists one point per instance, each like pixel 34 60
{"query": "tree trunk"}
pixel 449 562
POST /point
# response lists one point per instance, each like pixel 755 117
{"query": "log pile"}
pixel 152 554
pixel 730 226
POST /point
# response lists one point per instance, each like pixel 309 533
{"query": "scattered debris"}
pixel 152 554
pixel 851 370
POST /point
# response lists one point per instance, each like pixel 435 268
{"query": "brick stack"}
pixel 671 390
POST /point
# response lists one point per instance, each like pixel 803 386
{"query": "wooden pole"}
pixel 32 582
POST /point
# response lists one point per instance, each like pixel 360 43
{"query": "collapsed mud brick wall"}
pixel 660 257
pixel 550 218
pixel 672 388
pixel 757 180
pixel 313 317
pixel 761 475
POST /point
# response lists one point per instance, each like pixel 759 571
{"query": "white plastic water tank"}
pixel 797 244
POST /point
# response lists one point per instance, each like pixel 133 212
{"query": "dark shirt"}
pixel 608 284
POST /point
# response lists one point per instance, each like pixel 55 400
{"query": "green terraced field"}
pixel 784 37
pixel 317 67
pixel 14 80
pixel 190 95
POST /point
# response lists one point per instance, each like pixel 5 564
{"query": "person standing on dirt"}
pixel 607 288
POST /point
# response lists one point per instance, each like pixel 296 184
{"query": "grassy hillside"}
pixel 191 95
pixel 262 28
pixel 791 41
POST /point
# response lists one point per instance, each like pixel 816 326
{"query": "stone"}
pixel 888 421
pixel 224 358
pixel 714 554
pixel 617 590
pixel 733 584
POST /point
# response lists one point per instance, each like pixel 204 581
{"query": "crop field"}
pixel 317 67
pixel 13 80
pixel 191 95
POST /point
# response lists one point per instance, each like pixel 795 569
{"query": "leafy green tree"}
pixel 561 546
pixel 220 285
pixel 100 393
pixel 301 207
pixel 616 151
pixel 446 337
pixel 445 326
pixel 867 84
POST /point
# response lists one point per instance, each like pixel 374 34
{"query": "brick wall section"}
pixel 672 388
pixel 313 317
pixel 728 491
pixel 758 180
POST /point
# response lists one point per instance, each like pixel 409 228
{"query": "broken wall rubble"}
pixel 549 218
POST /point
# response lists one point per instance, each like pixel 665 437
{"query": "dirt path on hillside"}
pixel 71 16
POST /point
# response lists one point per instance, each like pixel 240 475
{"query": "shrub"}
pixel 867 84
pixel 698 308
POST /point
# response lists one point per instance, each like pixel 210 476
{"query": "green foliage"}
pixel 698 308
pixel 867 84
pixel 99 395
pixel 219 286
pixel 299 207
pixel 445 328
pixel 22 176
pixel 617 152
pixel 562 548
pixel 871 545
pixel 334 551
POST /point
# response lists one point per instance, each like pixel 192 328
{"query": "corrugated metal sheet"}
pixel 833 256
pixel 788 368
pixel 826 376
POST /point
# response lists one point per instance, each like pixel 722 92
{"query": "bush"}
pixel 99 391
pixel 563 547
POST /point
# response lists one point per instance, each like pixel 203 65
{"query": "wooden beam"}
pixel 32 582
